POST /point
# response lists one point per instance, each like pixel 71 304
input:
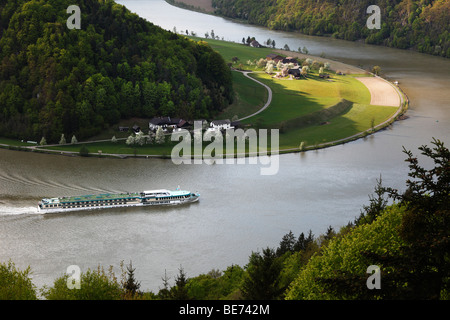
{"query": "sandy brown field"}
pixel 205 5
pixel 382 93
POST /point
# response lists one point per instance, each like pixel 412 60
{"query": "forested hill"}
pixel 422 25
pixel 55 80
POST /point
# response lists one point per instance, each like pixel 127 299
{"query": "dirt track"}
pixel 382 93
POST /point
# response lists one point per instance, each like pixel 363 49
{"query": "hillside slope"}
pixel 55 81
pixel 418 24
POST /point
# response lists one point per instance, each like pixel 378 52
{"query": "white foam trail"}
pixel 9 210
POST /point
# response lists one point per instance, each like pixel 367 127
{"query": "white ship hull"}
pixel 57 205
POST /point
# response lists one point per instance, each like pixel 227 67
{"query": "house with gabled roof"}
pixel 274 57
pixel 220 125
pixel 255 44
pixel 166 123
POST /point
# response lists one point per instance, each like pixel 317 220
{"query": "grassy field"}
pixel 357 120
pixel 249 98
pixel 228 50
pixel 119 148
pixel 292 101
pixel 294 98
pixel 12 142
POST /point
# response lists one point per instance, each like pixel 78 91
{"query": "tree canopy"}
pixel 55 81
pixel 418 24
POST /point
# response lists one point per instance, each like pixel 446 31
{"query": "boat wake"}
pixel 11 210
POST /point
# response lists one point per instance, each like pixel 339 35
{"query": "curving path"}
pixel 269 97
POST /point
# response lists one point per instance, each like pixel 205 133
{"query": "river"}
pixel 240 211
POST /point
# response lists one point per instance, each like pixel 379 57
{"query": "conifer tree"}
pixel 179 291
pixel 131 285
pixel 164 293
pixel 287 244
pixel 263 277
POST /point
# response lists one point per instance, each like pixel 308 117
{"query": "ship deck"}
pixel 99 197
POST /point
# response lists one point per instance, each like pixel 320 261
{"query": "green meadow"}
pixel 229 50
pixel 294 99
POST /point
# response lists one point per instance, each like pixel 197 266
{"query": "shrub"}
pixel 15 284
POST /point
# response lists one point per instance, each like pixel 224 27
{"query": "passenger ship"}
pixel 104 201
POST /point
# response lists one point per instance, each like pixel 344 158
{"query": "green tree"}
pixel 217 285
pixel 179 291
pixel 84 151
pixel 376 205
pixel 340 270
pixel 131 285
pixel 424 262
pixel 16 284
pixel 408 240
pixel 263 276
pixel 94 285
pixel 164 293
pixel 376 70
pixel 113 71
pixel 287 244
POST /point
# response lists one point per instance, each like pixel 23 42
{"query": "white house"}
pixel 220 125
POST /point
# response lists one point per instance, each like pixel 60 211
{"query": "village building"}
pixel 274 57
pixel 255 44
pixel 167 123
pixel 220 125
pixel 295 72
pixel 136 129
pixel 290 60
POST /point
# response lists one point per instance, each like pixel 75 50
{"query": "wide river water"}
pixel 240 211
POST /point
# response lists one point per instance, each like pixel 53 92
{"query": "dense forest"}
pixel 421 25
pixel 405 234
pixel 55 80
